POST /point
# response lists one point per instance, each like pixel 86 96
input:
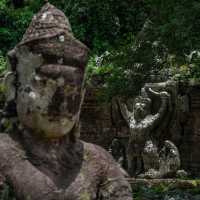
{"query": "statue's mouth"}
pixel 58 116
pixel 139 110
pixel 55 118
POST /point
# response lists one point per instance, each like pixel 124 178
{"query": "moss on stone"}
pixel 85 196
pixel 2 95
pixel 189 189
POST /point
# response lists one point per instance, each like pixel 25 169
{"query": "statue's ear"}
pixel 10 77
pixel 10 86
pixel 12 60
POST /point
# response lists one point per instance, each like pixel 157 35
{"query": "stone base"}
pixel 170 183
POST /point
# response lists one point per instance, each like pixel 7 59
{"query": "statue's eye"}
pixel 61 38
pixel 27 89
pixel 143 105
pixel 37 78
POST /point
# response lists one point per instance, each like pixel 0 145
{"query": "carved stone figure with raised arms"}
pixel 142 147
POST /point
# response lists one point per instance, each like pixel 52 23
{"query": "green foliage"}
pixel 96 67
pixel 132 64
pixel 7 193
pixel 170 30
pixel 2 4
pixel 99 24
pixel 164 192
pixel 176 23
pixel 110 25
pixel 102 24
pixel 190 70
pixel 13 23
pixel 2 64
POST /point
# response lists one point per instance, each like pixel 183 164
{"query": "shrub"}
pixel 3 63
pixel 190 69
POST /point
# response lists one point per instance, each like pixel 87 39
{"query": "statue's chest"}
pixel 75 172
pixel 77 183
pixel 84 187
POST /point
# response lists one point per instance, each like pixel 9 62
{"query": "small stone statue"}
pixel 169 160
pixel 141 122
pixel 42 156
pixel 169 163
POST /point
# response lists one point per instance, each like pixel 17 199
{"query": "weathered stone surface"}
pixel 48 22
pixel 150 156
pixel 169 159
pixel 181 174
pixel 143 153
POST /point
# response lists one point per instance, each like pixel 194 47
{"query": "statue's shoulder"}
pixel 7 142
pixel 150 118
pixel 102 160
pixel 5 137
pixel 98 153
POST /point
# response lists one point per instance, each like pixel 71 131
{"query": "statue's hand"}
pixel 164 95
pixel 152 92
pixel 10 153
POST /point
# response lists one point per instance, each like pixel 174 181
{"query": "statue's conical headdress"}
pixel 48 22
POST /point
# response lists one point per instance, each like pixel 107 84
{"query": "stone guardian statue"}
pixel 42 156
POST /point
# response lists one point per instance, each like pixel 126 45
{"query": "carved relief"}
pixel 154 111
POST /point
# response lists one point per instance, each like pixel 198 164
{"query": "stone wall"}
pixel 190 141
pixel 102 122
pixel 97 122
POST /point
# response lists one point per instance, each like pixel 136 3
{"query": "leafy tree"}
pixel 173 34
pixel 108 25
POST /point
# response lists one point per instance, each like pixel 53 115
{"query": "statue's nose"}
pixel 138 107
pixel 57 100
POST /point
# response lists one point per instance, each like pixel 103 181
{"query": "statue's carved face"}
pixel 49 92
pixel 168 145
pixel 141 108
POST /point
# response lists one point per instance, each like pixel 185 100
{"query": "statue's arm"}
pixel 125 112
pixel 114 185
pixel 28 182
pixel 165 104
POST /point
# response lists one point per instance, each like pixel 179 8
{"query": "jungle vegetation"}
pixel 129 40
